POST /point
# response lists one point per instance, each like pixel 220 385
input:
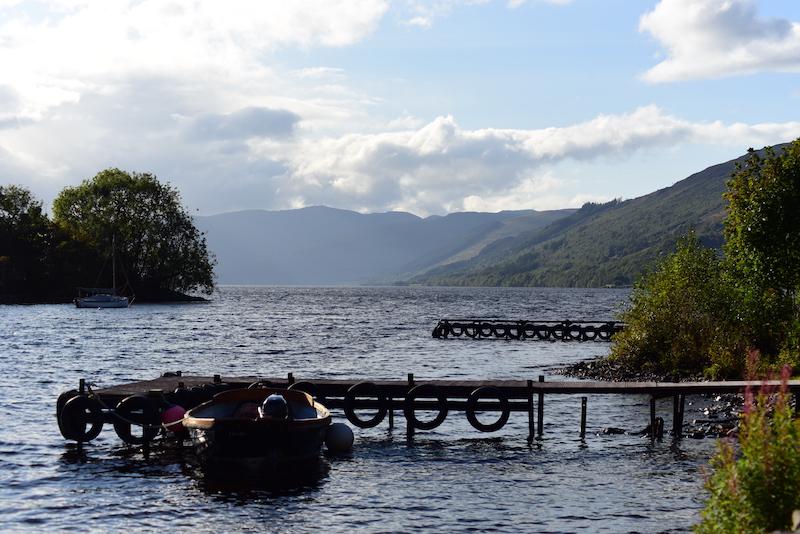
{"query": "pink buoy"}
pixel 172 418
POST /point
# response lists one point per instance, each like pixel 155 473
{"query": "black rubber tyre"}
pixel 310 388
pixel 137 410
pixel 472 404
pixel 425 390
pixel 365 389
pixel 76 413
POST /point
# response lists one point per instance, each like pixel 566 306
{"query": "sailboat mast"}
pixel 114 264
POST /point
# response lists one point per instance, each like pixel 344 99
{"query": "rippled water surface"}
pixel 451 479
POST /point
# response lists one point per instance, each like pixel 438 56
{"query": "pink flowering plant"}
pixel 755 482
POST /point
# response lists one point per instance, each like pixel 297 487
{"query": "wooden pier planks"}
pixel 388 396
pixel 514 389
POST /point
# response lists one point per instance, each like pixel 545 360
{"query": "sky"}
pixel 428 107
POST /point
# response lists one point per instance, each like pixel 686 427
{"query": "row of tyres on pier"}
pixel 539 330
pixel 137 419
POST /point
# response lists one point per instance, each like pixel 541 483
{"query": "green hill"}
pixel 600 244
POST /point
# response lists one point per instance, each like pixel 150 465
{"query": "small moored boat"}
pixel 104 297
pixel 257 428
pixel 99 297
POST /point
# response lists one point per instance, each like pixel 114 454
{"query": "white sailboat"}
pixel 104 297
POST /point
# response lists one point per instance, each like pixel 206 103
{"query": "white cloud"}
pixel 318 72
pixel 97 46
pixel 719 38
pixel 440 167
pixel 516 3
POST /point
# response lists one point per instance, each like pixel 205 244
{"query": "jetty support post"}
pixel 678 402
pixel 653 417
pixel 583 417
pixel 656 423
pixel 531 430
pixel 540 418
pixel 409 424
pixel 390 407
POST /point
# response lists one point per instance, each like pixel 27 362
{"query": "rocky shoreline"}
pixel 705 416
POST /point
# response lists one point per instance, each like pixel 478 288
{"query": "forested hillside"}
pixel 600 244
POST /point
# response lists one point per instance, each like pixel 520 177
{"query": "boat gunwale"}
pixel 322 419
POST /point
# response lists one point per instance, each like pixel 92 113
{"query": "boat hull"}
pixel 257 448
pixel 221 439
pixel 93 302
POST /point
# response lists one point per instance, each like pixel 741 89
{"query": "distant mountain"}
pixel 600 244
pixel 597 245
pixel 326 246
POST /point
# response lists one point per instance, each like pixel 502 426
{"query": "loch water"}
pixel 452 479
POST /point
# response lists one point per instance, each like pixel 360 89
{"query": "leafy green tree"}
pixel 763 243
pixel 24 242
pixel 160 248
pixel 763 225
pixel 680 317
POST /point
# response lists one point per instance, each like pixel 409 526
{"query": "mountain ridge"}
pixel 596 245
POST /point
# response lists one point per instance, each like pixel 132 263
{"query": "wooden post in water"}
pixel 652 418
pixel 409 424
pixel 390 406
pixel 583 417
pixel 540 422
pixel 677 416
pixel 530 411
pixel 290 379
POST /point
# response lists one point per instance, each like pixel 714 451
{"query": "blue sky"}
pixel 374 105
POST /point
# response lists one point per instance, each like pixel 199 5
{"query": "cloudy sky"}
pixel 377 105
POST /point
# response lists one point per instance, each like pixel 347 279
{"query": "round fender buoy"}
pixel 339 438
pixel 182 397
pixel 529 331
pixel 482 393
pixel 589 333
pixel 605 331
pixel 62 400
pixel 78 412
pixel 423 391
pixel 543 332
pixel 172 418
pixel 364 389
pixel 196 396
pixel 310 388
pixel 560 332
pixel 136 410
pixel 574 332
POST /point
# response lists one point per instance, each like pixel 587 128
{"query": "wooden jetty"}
pixel 538 330
pixel 142 403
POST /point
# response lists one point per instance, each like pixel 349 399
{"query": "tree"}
pixel 763 224
pixel 680 316
pixel 24 243
pixel 763 242
pixel 159 247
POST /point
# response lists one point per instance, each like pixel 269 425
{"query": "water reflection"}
pixel 245 485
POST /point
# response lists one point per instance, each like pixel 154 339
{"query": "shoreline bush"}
pixel 755 484
pixel 694 312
